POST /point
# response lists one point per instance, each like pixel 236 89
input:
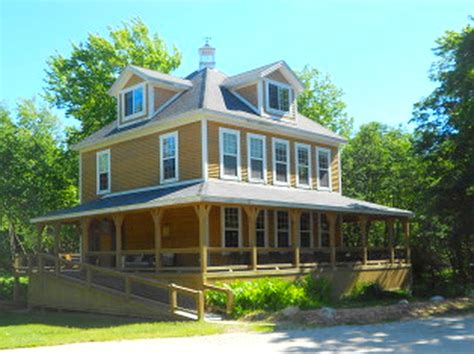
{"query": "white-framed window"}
pixel 229 147
pixel 306 229
pixel 323 161
pixel 303 165
pixel 256 158
pixel 323 223
pixel 282 229
pixel 103 171
pixel 231 226
pixel 133 101
pixel 281 161
pixel 169 157
pixel 278 97
pixel 261 229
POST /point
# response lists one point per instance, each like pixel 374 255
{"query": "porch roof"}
pixel 218 191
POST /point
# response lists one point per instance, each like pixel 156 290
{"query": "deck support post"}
pixel 390 225
pixel 406 234
pixel 157 216
pixel 57 235
pixel 118 222
pixel 252 213
pixel 332 219
pixel 39 245
pixel 84 225
pixel 295 216
pixel 202 211
pixel 363 234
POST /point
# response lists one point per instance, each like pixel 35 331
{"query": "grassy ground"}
pixel 51 328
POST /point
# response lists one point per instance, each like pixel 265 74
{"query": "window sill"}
pixel 103 192
pixel 168 181
pixel 135 115
pixel 231 178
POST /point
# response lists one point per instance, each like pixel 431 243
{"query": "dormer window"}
pixel 133 100
pixel 278 97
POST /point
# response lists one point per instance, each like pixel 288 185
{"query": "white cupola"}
pixel 207 56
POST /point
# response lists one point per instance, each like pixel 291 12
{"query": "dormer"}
pixel 141 93
pixel 271 90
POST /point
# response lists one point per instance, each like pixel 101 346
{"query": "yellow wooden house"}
pixel 207 179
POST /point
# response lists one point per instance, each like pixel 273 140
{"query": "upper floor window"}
pixel 281 162
pixel 324 168
pixel 306 239
pixel 256 158
pixel 229 141
pixel 103 171
pixel 133 101
pixel 169 157
pixel 260 229
pixel 282 229
pixel 231 227
pixel 278 97
pixel 303 165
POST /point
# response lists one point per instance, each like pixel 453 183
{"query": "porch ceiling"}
pixel 218 191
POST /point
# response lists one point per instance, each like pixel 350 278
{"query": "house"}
pixel 212 178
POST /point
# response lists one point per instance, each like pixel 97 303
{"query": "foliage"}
pixel 366 292
pixel 272 294
pixel 322 102
pixel 7 284
pixel 443 283
pixel 79 83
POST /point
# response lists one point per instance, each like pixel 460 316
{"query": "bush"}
pixel 271 295
pixel 373 292
pixel 6 287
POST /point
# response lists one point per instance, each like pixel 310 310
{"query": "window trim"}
pixel 265 230
pixel 162 138
pixel 132 116
pixel 97 172
pixel 288 162
pixel 269 82
pixel 221 154
pixel 223 228
pixel 276 228
pixel 318 149
pixel 311 228
pixel 262 138
pixel 310 182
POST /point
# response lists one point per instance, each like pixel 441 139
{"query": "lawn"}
pixel 52 328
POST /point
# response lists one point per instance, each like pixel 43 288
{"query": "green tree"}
pixel 445 143
pixel 79 83
pixel 34 178
pixel 322 102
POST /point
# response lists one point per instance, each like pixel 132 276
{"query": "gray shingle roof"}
pixel 227 192
pixel 209 93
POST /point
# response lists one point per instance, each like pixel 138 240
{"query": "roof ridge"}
pixel 256 69
pixel 202 94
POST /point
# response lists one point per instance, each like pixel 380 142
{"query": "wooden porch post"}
pixel 332 219
pixel 157 216
pixel 252 213
pixel 202 211
pixel 406 234
pixel 39 229
pixel 363 234
pixel 57 235
pixel 390 225
pixel 118 221
pixel 295 215
pixel 84 225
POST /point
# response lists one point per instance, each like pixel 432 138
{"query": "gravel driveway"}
pixel 431 335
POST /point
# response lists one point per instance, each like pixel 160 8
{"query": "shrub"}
pixel 6 287
pixel 373 291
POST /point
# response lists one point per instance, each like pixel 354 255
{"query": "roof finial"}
pixel 206 55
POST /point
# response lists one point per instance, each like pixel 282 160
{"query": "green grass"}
pixel 51 328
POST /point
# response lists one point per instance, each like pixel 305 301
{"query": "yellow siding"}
pixel 249 93
pixel 162 96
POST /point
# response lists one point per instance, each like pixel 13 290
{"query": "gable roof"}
pixel 208 93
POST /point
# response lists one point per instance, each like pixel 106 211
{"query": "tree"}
pixel 34 178
pixel 79 83
pixel 322 102
pixel 445 143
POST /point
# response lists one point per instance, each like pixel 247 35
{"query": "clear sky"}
pixel 378 52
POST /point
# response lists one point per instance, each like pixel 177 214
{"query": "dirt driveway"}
pixel 430 335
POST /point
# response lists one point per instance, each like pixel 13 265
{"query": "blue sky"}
pixel 378 52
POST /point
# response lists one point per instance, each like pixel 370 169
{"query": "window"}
pixel 103 172
pixel 324 168
pixel 256 158
pixel 306 239
pixel 278 97
pixel 169 157
pixel 133 102
pixel 303 165
pixel 281 163
pixel 323 231
pixel 260 228
pixel 231 229
pixel 282 229
pixel 229 153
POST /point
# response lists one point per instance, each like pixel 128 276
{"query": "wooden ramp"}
pixel 61 284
